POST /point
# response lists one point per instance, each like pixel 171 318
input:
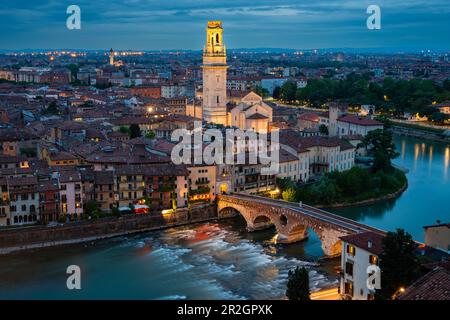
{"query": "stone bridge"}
pixel 291 220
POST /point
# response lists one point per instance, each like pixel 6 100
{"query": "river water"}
pixel 221 260
pixel 427 198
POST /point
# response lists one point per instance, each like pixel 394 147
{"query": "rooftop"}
pixel 435 285
pixel 369 241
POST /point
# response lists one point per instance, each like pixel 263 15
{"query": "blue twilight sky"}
pixel 180 24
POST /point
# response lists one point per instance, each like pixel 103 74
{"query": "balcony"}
pixel 202 182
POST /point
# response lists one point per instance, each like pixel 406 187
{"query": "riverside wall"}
pixel 12 240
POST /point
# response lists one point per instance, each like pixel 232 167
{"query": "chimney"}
pixel 369 244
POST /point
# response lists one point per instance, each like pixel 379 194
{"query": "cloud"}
pixel 158 24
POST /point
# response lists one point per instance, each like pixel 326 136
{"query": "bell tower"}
pixel 111 57
pixel 214 75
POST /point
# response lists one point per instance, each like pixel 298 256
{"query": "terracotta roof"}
pixel 313 117
pixel 257 116
pixel 48 185
pixel 69 176
pixel 361 121
pixel 22 181
pixel 435 285
pixel 295 140
pixel 286 156
pixel 362 240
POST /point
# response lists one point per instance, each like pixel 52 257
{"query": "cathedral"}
pixel 251 113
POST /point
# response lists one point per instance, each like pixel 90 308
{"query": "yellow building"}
pixel 438 236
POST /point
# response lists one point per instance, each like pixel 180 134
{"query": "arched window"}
pixel 217 38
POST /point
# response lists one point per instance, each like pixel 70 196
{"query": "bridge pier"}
pixel 331 244
pixel 296 234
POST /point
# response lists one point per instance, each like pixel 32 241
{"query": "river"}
pixel 221 260
pixel 427 198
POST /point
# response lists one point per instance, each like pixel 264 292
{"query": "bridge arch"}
pixel 291 226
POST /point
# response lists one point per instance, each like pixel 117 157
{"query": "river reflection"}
pixel 427 197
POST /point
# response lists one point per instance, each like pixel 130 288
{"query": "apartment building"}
pixel 5 218
pixel 359 251
pixel 71 193
pixel 49 200
pixel 24 199
pixel 319 154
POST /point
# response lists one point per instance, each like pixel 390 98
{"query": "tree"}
pixel 323 129
pixel 276 93
pixel 325 191
pixel 438 117
pixel 398 263
pixel 289 195
pixel 92 208
pixel 380 146
pixel 52 108
pixel 298 285
pixel 150 135
pixel 289 91
pixel 124 129
pixel 263 92
pixel 135 131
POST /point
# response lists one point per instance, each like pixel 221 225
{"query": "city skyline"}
pixel 151 25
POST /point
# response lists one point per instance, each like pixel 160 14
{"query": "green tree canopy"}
pixel 52 109
pixel 135 131
pixel 298 285
pixel 276 93
pixel 150 135
pixel 380 146
pixel 323 129
pixel 288 91
pixel 289 195
pixel 398 263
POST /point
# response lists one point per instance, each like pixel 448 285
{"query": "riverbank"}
pixel 419 132
pixel 370 201
pixel 354 187
pixel 85 231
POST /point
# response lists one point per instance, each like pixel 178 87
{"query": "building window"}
pixel 348 288
pixel 373 259
pixel 349 268
pixel 351 250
